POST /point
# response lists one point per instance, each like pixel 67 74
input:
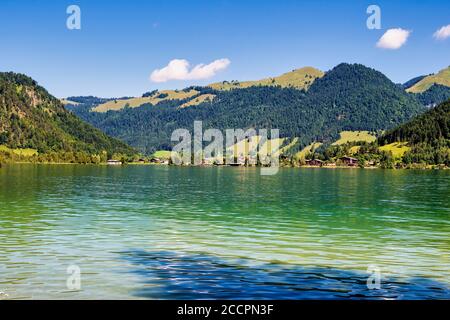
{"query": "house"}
pixel 314 162
pixel 349 161
pixel 155 160
pixel 112 162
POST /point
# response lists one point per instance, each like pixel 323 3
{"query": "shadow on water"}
pixel 170 275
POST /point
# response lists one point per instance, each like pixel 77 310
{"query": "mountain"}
pixel 350 97
pixel 300 78
pixel 355 97
pixel 442 78
pixel 31 118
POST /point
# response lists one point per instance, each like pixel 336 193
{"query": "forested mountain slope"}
pixel 427 137
pixel 31 118
pixel 428 127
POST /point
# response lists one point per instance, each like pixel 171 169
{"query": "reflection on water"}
pixel 168 275
pixel 296 234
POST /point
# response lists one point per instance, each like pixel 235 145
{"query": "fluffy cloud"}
pixel 179 69
pixel 393 39
pixel 442 33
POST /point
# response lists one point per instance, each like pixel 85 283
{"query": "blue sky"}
pixel 121 42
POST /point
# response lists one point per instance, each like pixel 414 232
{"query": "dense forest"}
pixel 31 118
pixel 428 127
pixel 348 97
pixel 436 94
pixel 428 135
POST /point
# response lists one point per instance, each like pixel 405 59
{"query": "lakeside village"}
pixel 368 157
pixel 354 154
pixel 245 161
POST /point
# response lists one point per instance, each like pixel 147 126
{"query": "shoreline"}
pixel 418 167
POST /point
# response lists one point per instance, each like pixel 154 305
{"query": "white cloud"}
pixel 393 39
pixel 442 33
pixel 179 69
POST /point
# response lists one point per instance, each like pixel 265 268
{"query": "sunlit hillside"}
pixel 442 77
pixel 300 78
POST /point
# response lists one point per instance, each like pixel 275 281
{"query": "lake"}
pixel 159 232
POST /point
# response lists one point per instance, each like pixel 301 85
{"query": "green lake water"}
pixel 161 232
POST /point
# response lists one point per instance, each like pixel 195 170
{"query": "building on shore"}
pixel 114 162
pixel 349 161
pixel 314 162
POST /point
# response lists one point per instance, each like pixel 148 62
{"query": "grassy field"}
pixel 136 102
pixel 442 77
pixel 308 149
pixel 198 100
pixel 20 152
pixel 354 149
pixel 300 78
pixel 353 136
pixel 286 148
pixel 243 147
pixel 162 154
pixel 398 149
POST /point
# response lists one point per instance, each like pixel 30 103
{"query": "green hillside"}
pixel 435 95
pixel 350 97
pixel 157 97
pixel 355 136
pixel 30 118
pixel 442 78
pixel 427 137
pixel 428 127
pixel 354 97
